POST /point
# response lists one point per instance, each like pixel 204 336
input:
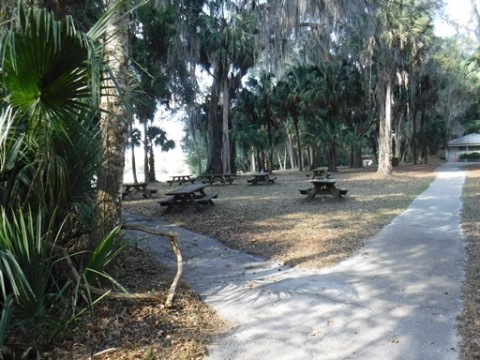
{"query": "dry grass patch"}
pixel 128 330
pixel 469 321
pixel 274 221
pixel 277 222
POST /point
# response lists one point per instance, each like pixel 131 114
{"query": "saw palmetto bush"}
pixel 50 78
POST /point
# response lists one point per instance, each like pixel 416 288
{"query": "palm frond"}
pixel 104 253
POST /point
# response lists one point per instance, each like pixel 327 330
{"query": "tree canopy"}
pixel 298 83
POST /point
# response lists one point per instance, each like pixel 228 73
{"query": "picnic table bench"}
pixel 191 194
pixel 141 187
pixel 261 178
pixel 217 178
pixel 323 187
pixel 181 179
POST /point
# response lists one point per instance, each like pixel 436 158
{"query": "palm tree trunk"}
pixel 423 137
pixel 332 156
pixel 414 137
pixel 290 152
pixel 134 164
pixel 225 128
pixel 151 165
pixel 145 151
pixel 297 134
pixel 253 167
pixel 114 130
pixel 280 161
pixel 385 141
pixel 413 110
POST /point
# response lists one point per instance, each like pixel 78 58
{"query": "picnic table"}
pixel 319 172
pixel 141 187
pixel 323 187
pixel 180 179
pixel 191 194
pixel 261 178
pixel 220 178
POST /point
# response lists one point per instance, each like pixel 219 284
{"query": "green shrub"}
pixel 470 156
pixel 49 147
pixel 41 294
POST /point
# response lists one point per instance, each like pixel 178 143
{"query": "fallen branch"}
pixel 112 294
pixel 176 250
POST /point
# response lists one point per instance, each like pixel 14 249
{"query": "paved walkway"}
pixel 397 298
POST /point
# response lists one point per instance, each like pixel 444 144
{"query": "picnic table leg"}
pixel 193 202
pixel 169 207
pixel 146 192
pixel 334 191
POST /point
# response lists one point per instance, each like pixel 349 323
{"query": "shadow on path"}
pixel 397 298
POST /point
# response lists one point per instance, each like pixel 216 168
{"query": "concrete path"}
pixel 397 298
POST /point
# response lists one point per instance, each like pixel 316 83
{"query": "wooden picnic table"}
pixel 131 188
pixel 220 178
pixel 261 178
pixel 319 172
pixel 180 179
pixel 323 187
pixel 191 194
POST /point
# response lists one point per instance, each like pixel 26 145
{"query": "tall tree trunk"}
pixel 261 160
pixel 134 163
pixel 114 131
pixel 413 112
pixel 151 165
pixel 193 133
pixel 398 136
pixel 279 159
pixel 233 157
pixel 225 128
pixel 297 134
pixel 356 156
pixel 253 165
pixel 310 156
pixel 214 162
pixel 332 156
pixel 290 152
pixel 424 140
pixel 414 137
pixel 385 134
pixel 145 151
pixel 270 138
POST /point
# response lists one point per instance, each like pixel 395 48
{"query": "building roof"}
pixel 470 139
